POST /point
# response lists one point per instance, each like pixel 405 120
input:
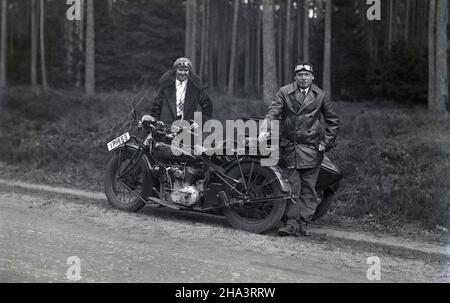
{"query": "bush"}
pixel 396 163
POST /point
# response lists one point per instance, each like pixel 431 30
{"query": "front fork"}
pixel 132 163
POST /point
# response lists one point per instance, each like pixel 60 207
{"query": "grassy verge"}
pixel 396 160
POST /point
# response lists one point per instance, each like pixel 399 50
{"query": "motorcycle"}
pixel 152 171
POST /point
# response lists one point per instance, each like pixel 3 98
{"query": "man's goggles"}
pixel 303 67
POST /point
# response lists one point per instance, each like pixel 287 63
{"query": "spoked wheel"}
pixel 257 183
pixel 124 187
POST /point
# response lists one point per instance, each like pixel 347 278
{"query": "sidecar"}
pixel 327 185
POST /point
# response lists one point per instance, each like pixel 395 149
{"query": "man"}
pixel 299 107
pixel 179 93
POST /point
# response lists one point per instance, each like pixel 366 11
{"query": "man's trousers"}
pixel 303 182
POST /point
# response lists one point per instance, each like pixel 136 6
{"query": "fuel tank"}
pixel 164 151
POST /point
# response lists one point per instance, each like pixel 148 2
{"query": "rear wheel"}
pixel 257 182
pixel 124 191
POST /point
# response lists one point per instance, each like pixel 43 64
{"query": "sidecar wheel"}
pixel 119 192
pixel 263 184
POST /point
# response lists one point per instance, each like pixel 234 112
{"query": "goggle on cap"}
pixel 303 67
pixel 182 62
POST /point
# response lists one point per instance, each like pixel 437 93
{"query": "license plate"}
pixel 118 141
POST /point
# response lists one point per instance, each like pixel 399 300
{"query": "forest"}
pixel 234 45
pixel 69 71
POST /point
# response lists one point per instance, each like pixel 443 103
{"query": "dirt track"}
pixel 40 231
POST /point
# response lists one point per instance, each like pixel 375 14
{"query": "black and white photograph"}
pixel 224 148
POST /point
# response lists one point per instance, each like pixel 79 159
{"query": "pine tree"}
pixel 42 44
pixel 269 66
pixel 90 49
pixel 327 49
pixel 233 59
pixel 34 44
pixel 3 33
pixel 288 43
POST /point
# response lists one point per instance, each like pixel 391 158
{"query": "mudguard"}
pixel 134 148
pixel 276 170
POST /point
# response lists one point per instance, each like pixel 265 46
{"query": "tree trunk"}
pixel 253 24
pixel 110 4
pixel 407 3
pixel 288 43
pixel 269 66
pixel 68 38
pixel 222 53
pixel 80 37
pixel 258 50
pixel 203 41
pixel 232 72
pixel 11 35
pixel 34 44
pixel 327 49
pixel 431 54
pixel 221 65
pixel 280 47
pixel 423 24
pixel 390 26
pixel 248 41
pixel 193 42
pixel 441 101
pixel 306 32
pixel 370 42
pixel 90 49
pixel 299 29
pixel 42 42
pixel 209 46
pixel 188 33
pixel 4 7
pixel 414 23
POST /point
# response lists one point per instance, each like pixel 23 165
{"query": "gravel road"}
pixel 40 231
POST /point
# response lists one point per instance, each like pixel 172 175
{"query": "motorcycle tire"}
pixel 243 217
pixel 138 180
pixel 327 198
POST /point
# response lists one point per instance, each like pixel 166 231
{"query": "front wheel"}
pixel 126 191
pixel 260 183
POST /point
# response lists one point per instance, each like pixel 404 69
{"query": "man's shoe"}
pixel 287 230
pixel 303 230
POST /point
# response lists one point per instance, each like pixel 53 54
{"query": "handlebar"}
pixel 160 128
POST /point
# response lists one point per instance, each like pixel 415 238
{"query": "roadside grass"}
pixel 395 159
pixel 396 162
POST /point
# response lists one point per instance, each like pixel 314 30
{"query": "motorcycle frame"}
pixel 141 152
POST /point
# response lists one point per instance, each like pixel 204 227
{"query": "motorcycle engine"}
pixel 187 186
